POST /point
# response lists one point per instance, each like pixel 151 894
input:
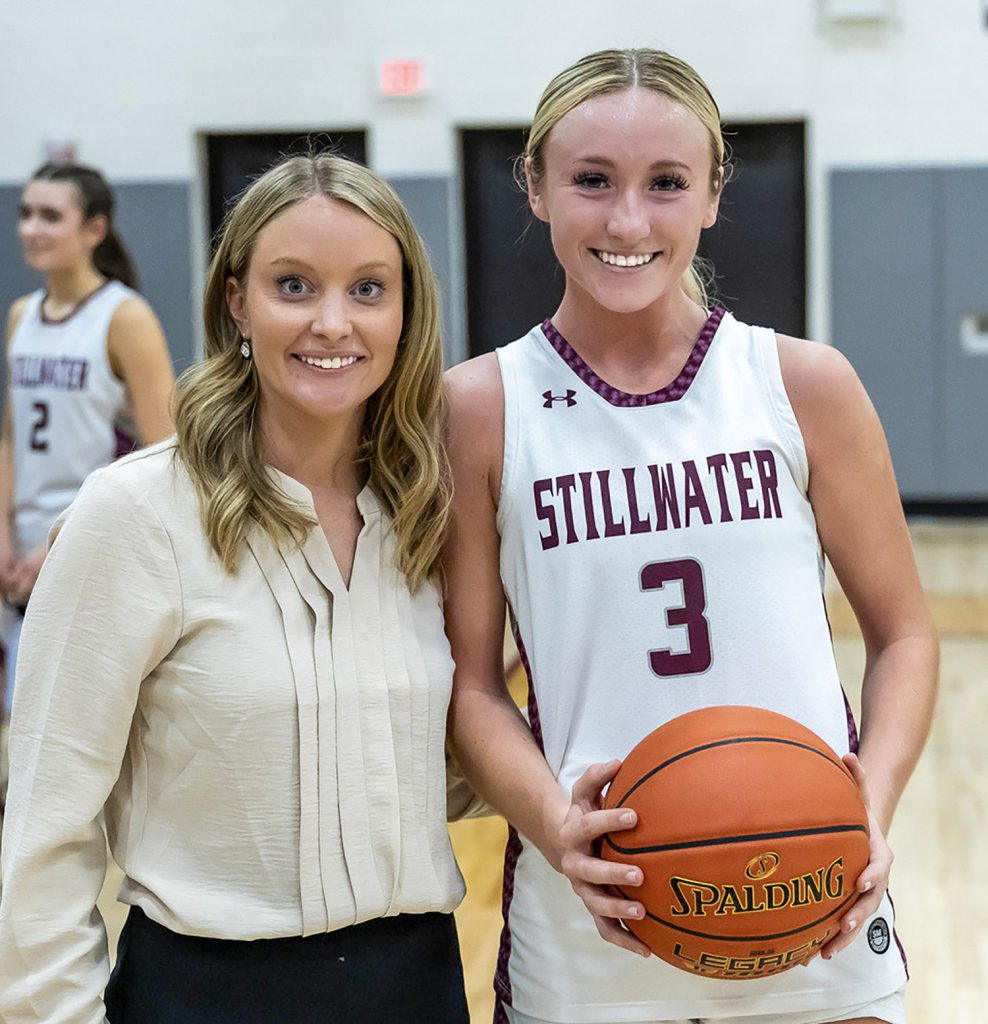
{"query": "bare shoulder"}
pixel 15 313
pixel 810 367
pixel 135 342
pixel 475 383
pixel 476 420
pixel 827 396
pixel 133 313
pixel 476 399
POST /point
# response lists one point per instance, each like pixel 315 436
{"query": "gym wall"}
pixel 136 86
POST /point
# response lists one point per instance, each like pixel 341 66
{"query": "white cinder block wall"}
pixel 132 83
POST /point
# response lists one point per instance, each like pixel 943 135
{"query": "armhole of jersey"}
pixel 509 445
pixel 767 346
pixel 32 311
pixel 123 292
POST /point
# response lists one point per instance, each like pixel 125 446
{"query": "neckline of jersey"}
pixel 50 321
pixel 670 393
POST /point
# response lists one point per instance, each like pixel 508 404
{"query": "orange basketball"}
pixel 751 835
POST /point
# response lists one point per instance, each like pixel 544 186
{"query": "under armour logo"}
pixel 569 398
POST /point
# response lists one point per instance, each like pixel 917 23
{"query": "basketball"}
pixel 751 835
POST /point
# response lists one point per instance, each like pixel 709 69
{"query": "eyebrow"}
pixel 603 161
pixel 41 208
pixel 291 261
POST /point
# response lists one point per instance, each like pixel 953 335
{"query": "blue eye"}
pixel 368 289
pixel 590 179
pixel 292 285
pixel 670 183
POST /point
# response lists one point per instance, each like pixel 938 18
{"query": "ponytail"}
pixel 112 260
pixel 110 257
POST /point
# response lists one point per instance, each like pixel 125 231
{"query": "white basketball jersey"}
pixel 659 554
pixel 65 402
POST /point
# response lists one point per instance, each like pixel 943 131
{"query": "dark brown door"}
pixel 758 246
pixel 233 161
pixel 513 279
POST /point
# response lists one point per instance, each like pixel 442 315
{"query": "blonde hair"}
pixel 401 445
pixel 609 71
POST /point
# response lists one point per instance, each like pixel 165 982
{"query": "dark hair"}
pixel 110 257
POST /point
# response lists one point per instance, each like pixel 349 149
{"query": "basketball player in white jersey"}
pixel 653 485
pixel 85 355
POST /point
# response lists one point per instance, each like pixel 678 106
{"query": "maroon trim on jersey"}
pixel 853 744
pixel 124 444
pixel 52 322
pixel 670 393
pixel 895 935
pixel 535 723
pixel 852 728
pixel 502 980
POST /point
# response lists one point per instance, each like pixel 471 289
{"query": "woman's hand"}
pixel 576 843
pixel 20 582
pixel 8 565
pixel 872 882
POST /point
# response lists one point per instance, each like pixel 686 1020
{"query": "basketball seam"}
pixel 723 743
pixel 821 830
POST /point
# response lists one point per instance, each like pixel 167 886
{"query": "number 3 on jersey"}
pixel 696 658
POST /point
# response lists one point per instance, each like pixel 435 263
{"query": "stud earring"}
pixel 245 348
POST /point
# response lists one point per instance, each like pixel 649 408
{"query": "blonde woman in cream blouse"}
pixel 235 653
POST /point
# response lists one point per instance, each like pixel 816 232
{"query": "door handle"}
pixel 974 334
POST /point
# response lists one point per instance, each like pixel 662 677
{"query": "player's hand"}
pixel 591 878
pixel 8 565
pixel 25 574
pixel 872 882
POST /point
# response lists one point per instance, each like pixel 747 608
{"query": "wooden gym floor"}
pixel 940 876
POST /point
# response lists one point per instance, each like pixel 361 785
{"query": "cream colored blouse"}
pixel 268 748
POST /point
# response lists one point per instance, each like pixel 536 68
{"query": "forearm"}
pixel 497 752
pixel 897 701
pixel 6 489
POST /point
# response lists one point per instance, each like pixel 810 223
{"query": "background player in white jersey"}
pixel 637 428
pixel 84 353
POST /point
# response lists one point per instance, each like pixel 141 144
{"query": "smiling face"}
pixel 626 191
pixel 322 307
pixel 53 232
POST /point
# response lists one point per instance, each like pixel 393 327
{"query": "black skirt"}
pixel 394 969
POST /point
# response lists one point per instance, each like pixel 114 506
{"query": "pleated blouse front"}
pixel 268 746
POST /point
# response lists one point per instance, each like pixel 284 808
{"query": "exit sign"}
pixel 402 77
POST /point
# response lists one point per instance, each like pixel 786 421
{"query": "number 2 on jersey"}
pixel 696 658
pixel 39 443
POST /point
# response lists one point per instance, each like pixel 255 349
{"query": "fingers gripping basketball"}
pixel 751 833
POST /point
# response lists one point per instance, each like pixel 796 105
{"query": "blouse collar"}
pixel 368 502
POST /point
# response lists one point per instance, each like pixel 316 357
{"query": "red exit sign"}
pixel 402 77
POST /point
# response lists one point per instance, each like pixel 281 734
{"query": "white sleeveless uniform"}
pixel 66 404
pixel 659 554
